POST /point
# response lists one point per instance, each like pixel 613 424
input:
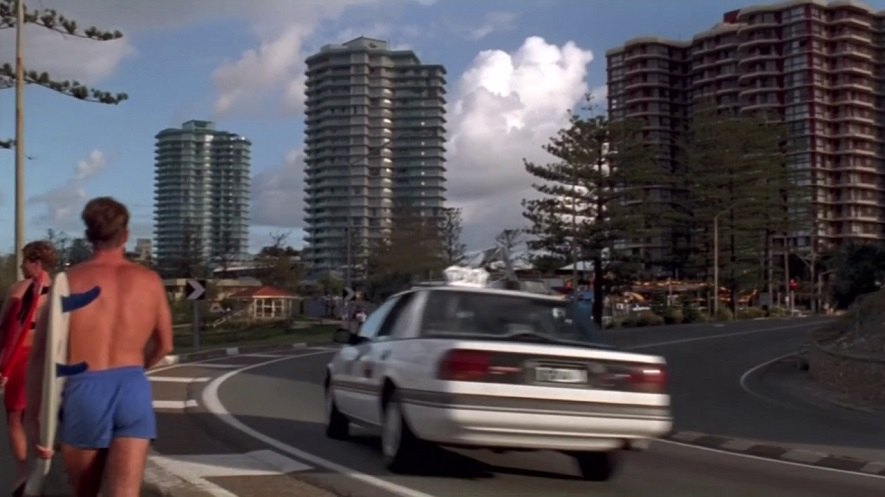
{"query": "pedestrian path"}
pixel 192 445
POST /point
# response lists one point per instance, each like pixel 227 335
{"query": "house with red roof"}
pixel 267 302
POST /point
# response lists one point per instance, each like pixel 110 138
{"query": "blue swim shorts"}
pixel 99 406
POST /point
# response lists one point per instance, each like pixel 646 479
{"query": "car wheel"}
pixel 401 448
pixel 337 424
pixel 597 466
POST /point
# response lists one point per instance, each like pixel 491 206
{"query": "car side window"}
pixel 398 320
pixel 373 323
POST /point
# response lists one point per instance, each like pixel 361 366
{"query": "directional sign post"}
pixel 196 291
pixel 348 294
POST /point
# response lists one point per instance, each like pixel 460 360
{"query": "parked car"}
pixel 473 367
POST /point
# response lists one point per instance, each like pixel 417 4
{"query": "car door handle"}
pixel 368 369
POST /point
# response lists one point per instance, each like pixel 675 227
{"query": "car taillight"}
pixel 648 379
pixel 465 365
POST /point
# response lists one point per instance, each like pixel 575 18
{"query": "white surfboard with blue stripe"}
pixel 55 368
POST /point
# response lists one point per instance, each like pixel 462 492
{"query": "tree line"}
pixel 721 201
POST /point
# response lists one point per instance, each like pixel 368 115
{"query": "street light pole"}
pixel 716 256
pixel 347 282
pixel 716 264
pixel 19 141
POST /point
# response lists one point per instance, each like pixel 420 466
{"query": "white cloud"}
pixel 243 83
pixel 63 203
pixel 274 70
pixel 505 108
pixel 494 21
pixel 278 194
pixel 92 165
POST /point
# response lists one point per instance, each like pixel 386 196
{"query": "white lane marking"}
pixel 262 356
pixel 178 379
pixel 201 484
pixel 175 361
pixel 215 365
pixel 213 404
pixel 770 460
pixel 714 337
pixel 174 404
pixel 746 376
pixel 256 463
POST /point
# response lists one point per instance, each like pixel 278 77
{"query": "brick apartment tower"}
pixel 816 64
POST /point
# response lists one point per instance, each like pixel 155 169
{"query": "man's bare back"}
pixel 128 316
pixel 107 416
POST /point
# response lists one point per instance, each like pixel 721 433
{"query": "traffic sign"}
pixel 196 289
pixel 348 294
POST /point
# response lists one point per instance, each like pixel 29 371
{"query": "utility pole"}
pixel 716 256
pixel 716 265
pixel 19 140
pixel 347 281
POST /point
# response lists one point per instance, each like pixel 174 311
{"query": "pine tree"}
pixel 595 197
pixel 54 21
pixel 734 176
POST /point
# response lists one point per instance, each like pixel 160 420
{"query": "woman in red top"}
pixel 18 316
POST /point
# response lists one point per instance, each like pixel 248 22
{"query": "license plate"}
pixel 560 375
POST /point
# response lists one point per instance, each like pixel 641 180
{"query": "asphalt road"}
pixel 283 401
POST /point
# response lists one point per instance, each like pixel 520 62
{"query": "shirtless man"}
pixel 107 416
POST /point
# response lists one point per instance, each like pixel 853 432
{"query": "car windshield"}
pixel 508 317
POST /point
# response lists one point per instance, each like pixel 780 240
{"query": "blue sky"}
pixel 514 68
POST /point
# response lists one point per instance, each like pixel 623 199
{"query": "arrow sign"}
pixel 348 294
pixel 196 289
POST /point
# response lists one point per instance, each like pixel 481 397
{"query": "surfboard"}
pixel 55 369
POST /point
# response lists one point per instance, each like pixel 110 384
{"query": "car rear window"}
pixel 500 315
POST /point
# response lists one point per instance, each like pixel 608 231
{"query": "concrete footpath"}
pixel 157 481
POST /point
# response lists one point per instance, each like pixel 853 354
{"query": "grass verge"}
pixel 259 335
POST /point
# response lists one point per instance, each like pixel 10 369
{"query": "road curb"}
pixel 784 453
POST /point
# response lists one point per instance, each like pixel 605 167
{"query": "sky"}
pixel 514 69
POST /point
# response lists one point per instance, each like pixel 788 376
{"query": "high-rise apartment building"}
pixel 375 141
pixel 201 195
pixel 816 64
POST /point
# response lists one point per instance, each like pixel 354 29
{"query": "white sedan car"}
pixel 496 369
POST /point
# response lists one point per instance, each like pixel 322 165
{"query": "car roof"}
pixel 484 290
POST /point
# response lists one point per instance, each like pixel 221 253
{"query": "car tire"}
pixel 597 466
pixel 402 450
pixel 337 424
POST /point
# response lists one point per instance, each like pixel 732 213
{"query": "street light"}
pixel 818 294
pixel 374 151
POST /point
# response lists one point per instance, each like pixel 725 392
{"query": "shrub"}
pixel 673 315
pixel 648 318
pixel 751 313
pixel 691 314
pixel 724 314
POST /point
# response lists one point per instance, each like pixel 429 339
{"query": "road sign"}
pixel 196 289
pixel 348 294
